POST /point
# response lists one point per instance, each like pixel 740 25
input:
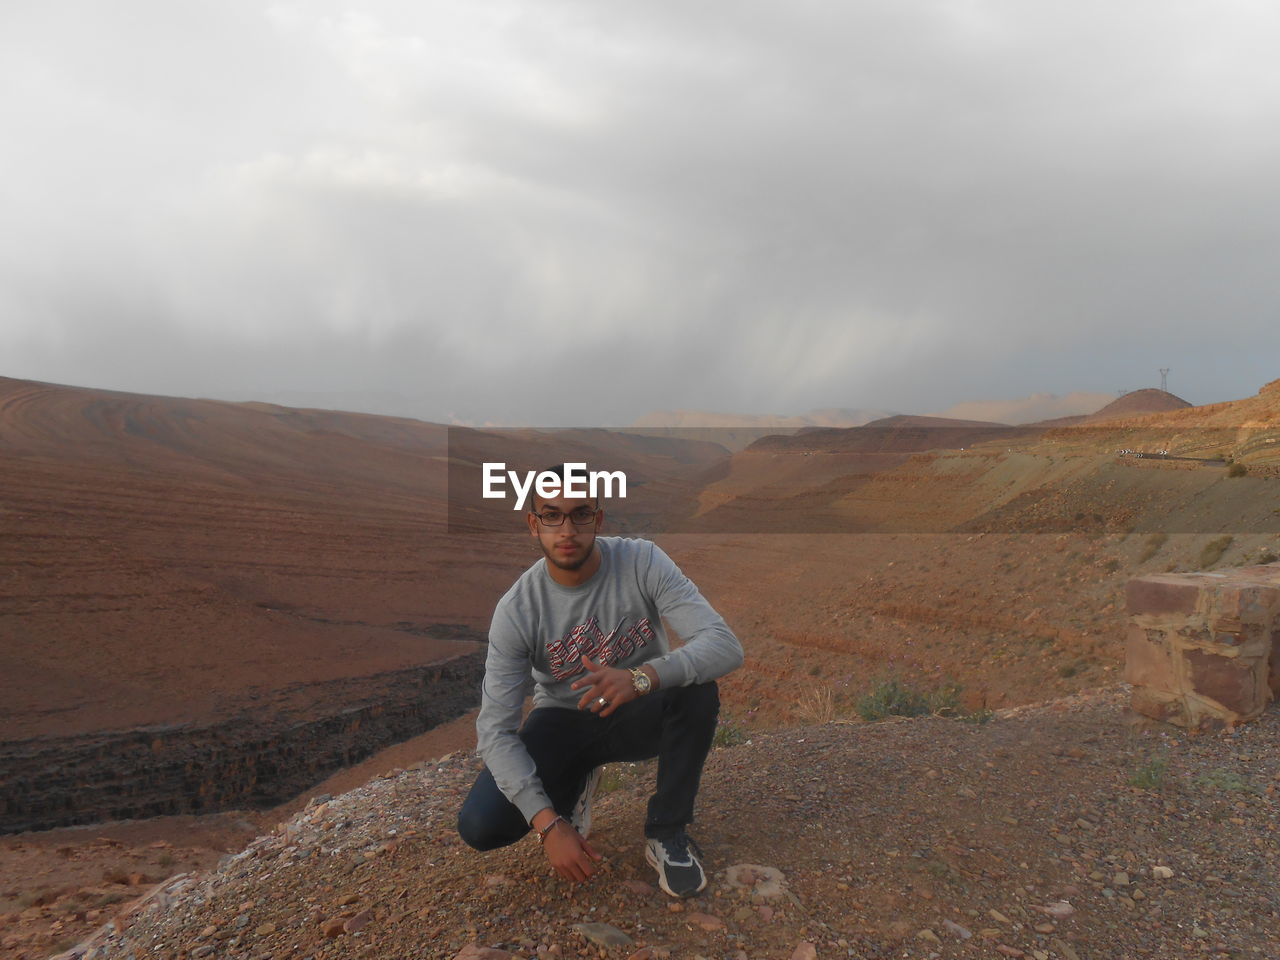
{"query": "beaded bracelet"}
pixel 542 834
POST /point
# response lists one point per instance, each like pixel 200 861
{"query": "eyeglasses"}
pixel 554 518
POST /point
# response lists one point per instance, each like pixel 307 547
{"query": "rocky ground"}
pixel 1060 830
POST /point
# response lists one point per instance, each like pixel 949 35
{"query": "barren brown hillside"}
pixel 171 562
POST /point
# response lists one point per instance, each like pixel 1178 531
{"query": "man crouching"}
pixel 583 628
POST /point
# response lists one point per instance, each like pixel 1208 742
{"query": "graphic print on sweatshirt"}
pixel 587 639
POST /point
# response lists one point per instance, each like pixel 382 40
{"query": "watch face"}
pixel 641 681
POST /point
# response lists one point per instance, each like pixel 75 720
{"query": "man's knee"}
pixel 478 832
pixel 487 819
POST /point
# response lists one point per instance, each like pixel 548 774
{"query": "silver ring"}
pixel 602 701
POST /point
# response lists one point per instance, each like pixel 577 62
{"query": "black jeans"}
pixel 675 725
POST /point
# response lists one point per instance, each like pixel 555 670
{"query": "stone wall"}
pixel 250 761
pixel 1203 649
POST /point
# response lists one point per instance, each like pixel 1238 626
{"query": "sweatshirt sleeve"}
pixel 710 648
pixel 508 678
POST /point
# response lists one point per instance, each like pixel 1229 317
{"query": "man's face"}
pixel 569 545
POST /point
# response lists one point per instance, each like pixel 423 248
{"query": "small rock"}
pixel 706 921
pixel 1068 952
pixel 1162 873
pixel 1121 879
pixel 929 935
pixel 358 921
pixel 761 881
pixel 968 793
pixel 208 932
pixel 766 913
pixel 644 953
pixel 266 929
pixel 603 934
pixel 1059 909
pixel 332 927
pixel 639 886
pixel 203 951
pixel 999 917
pixel 952 927
pixel 1045 927
pixel 1009 951
pixel 804 951
pixel 348 899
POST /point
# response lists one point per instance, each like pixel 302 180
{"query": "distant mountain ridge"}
pixel 825 417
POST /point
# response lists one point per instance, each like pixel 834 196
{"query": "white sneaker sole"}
pixel 652 858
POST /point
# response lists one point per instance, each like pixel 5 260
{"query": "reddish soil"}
pixel 172 560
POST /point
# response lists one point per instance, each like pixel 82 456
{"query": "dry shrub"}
pixel 1212 551
pixel 817 705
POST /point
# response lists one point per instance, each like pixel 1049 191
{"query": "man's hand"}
pixel 569 853
pixel 612 683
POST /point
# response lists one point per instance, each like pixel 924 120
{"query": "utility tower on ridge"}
pixel 1164 378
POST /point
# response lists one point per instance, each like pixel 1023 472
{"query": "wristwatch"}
pixel 640 680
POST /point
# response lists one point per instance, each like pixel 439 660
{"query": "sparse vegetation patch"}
pixel 1212 551
pixel 1227 781
pixel 893 698
pixel 1151 775
pixel 1152 546
pixel 728 734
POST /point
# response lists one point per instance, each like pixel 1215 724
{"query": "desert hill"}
pixel 171 560
pixel 1036 408
pixel 826 417
pixel 735 431
pixel 930 475
pixel 1051 831
pixel 1138 403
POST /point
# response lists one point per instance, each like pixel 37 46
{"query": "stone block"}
pixel 1236 684
pixel 1162 594
pixel 1237 603
pixel 1148 660
pixel 1203 649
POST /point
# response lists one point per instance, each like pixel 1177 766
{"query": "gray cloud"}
pixel 579 212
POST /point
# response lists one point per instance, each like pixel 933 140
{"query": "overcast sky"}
pixel 574 212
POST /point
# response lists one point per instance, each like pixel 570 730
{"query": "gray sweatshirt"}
pixel 541 630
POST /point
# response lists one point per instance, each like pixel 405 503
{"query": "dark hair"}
pixel 559 470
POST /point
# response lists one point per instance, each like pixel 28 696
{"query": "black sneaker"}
pixel 581 819
pixel 676 859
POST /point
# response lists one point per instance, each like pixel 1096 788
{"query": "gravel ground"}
pixel 1061 830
